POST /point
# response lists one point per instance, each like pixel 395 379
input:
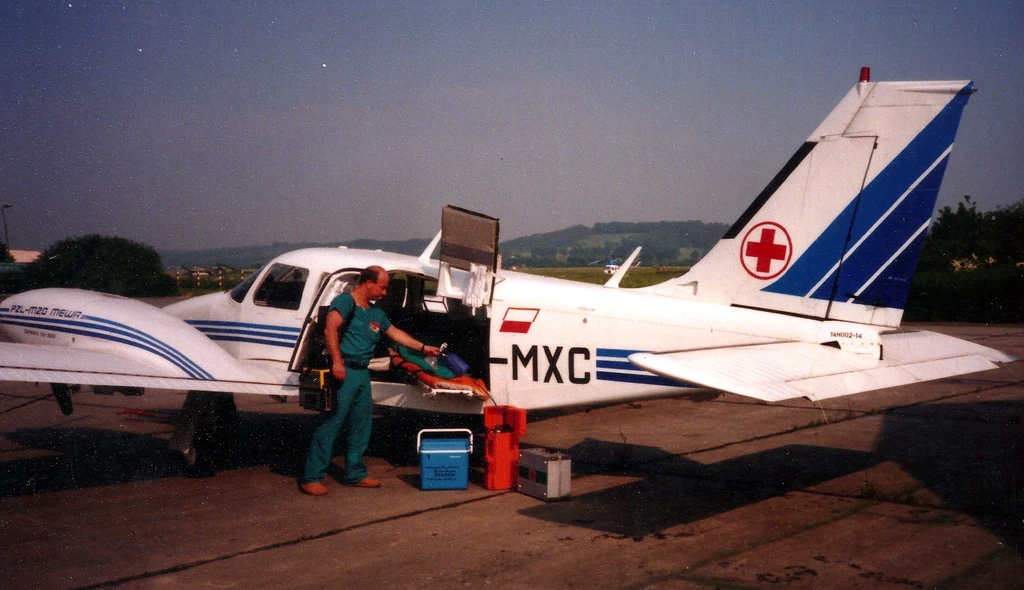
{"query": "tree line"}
pixel 965 238
pixel 971 267
pixel 97 263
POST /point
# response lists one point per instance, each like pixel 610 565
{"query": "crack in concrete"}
pixel 281 544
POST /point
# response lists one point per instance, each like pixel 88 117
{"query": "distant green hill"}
pixel 664 243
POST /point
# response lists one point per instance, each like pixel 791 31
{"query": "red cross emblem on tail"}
pixel 766 250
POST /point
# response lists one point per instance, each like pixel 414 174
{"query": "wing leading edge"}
pixel 785 370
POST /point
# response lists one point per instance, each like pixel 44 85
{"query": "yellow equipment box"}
pixel 316 390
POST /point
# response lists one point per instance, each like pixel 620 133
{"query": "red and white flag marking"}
pixel 518 320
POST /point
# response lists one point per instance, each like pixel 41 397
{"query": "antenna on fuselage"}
pixel 613 283
pixel 425 257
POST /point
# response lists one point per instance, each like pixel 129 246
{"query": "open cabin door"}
pixel 469 256
pixel 311 336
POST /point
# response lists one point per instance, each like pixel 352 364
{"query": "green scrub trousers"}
pixel 353 409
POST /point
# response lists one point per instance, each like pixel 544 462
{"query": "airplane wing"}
pixel 52 364
pixel 785 370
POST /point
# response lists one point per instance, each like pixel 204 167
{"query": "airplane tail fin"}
pixel 837 233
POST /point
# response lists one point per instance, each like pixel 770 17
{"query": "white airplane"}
pixel 803 297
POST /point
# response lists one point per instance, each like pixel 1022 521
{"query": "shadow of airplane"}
pixel 93 456
pixel 970 455
pixel 675 490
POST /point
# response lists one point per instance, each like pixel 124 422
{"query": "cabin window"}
pixel 282 287
pixel 238 293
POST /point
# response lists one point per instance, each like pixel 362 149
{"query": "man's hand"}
pixel 431 350
pixel 338 371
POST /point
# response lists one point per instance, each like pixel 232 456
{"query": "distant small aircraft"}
pixel 803 297
pixel 610 264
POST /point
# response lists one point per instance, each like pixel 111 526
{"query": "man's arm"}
pixel 409 342
pixel 334 323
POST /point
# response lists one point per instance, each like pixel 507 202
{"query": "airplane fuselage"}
pixel 540 343
pixel 547 342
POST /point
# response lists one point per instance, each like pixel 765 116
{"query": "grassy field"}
pixel 192 286
pixel 636 277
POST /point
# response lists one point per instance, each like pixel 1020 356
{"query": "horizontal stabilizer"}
pixel 46 364
pixel 785 370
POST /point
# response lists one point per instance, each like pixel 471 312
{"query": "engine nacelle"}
pixel 130 329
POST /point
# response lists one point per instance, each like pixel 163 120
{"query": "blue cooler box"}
pixel 444 460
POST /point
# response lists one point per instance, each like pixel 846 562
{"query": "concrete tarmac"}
pixel 911 487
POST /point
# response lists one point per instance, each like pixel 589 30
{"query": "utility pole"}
pixel 3 213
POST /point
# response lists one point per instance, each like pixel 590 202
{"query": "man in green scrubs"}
pixel 353 401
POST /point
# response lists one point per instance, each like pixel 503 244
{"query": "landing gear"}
pixel 123 390
pixel 200 430
pixel 62 393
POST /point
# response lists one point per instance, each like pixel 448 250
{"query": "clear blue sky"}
pixel 206 124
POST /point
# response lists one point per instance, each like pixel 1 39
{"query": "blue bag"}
pixel 453 362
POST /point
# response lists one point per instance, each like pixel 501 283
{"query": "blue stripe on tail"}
pixel 813 274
